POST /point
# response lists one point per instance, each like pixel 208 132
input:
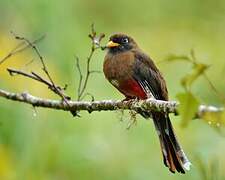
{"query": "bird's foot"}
pixel 130 99
pixel 127 99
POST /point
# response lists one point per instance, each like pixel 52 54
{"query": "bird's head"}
pixel 120 43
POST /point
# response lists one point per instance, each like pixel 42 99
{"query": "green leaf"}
pixel 188 107
pixel 198 70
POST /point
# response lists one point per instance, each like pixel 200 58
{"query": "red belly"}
pixel 131 88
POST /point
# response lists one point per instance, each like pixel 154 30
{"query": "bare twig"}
pixel 205 76
pixel 38 54
pixel 38 78
pixel 95 71
pixel 103 105
pixel 80 77
pixel 214 89
pixel 90 95
pixel 20 48
pixel 52 86
pixel 95 40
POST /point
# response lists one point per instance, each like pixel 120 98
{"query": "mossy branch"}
pixel 103 105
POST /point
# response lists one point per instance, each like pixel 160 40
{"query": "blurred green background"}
pixel 52 145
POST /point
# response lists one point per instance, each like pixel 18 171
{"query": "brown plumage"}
pixel 135 75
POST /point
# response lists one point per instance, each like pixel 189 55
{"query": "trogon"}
pixel 136 76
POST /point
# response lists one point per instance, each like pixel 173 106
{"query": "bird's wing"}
pixel 148 76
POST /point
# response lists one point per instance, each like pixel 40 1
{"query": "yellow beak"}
pixel 112 44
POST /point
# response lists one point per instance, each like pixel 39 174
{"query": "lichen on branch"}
pixel 103 105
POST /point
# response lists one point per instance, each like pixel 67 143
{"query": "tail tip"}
pixel 187 165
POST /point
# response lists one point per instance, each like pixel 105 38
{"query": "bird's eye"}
pixel 125 40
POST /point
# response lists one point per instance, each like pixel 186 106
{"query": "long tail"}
pixel 173 155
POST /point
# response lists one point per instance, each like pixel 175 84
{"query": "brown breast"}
pixel 119 66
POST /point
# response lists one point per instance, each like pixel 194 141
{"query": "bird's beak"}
pixel 111 44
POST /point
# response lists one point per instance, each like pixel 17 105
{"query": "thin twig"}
pixel 38 78
pixel 80 77
pixel 13 72
pixel 87 73
pixel 205 76
pixel 90 95
pixel 20 48
pixel 38 54
pixel 95 44
pixel 51 85
pixel 54 88
pixel 95 71
pixel 221 96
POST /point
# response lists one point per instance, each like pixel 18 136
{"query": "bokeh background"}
pixel 52 145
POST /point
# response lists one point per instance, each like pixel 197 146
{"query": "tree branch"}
pixel 103 105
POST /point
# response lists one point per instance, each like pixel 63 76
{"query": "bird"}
pixel 135 75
